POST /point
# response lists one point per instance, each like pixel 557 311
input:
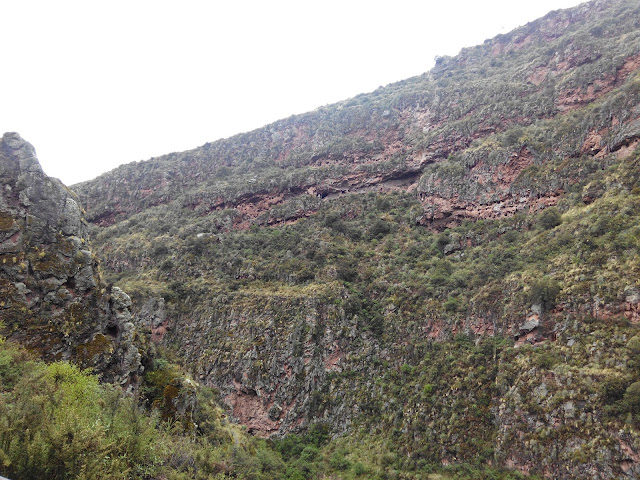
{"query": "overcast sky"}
pixel 93 84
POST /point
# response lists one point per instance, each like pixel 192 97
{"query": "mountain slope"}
pixel 397 134
pixel 449 263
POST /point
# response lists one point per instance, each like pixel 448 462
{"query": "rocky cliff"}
pixel 441 135
pixel 449 263
pixel 52 297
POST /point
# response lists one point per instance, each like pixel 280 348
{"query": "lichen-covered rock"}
pixel 51 297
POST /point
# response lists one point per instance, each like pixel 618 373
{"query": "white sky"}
pixel 93 84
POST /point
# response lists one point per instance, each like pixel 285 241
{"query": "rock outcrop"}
pixel 52 299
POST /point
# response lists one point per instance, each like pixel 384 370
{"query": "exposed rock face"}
pixel 529 120
pixel 51 297
pixel 268 370
pixel 402 138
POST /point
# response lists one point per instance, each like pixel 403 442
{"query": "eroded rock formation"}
pixel 52 299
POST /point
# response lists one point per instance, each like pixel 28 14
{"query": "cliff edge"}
pixel 52 299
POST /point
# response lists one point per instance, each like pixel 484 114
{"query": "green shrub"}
pixel 631 397
pixel 613 388
pixel 633 345
pixel 379 229
pixel 547 360
pixel 452 304
pixel 359 469
pixel 338 461
pixel 544 292
pixel 550 218
pixel 58 422
pixel 407 369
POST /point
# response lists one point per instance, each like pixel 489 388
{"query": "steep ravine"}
pixel 450 262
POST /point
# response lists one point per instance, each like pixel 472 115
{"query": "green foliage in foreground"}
pixel 59 422
pixel 56 421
